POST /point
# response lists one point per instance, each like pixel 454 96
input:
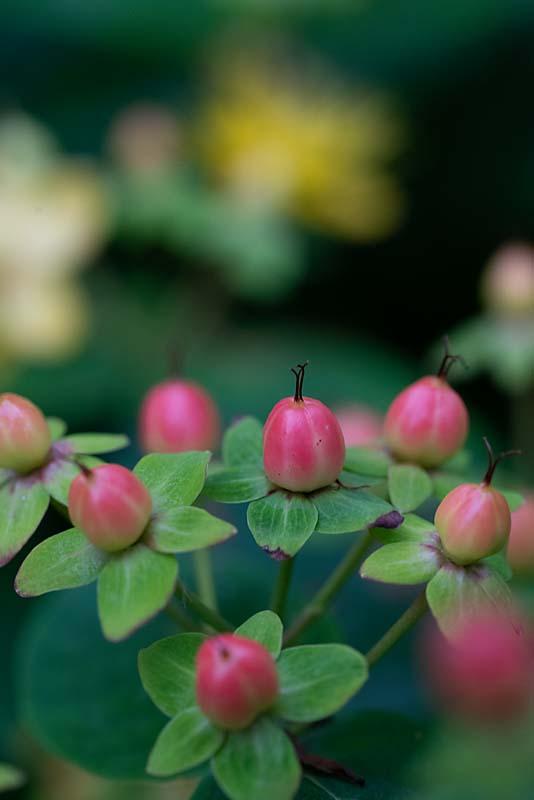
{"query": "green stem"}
pixel 204 612
pixel 398 629
pixel 281 587
pixel 204 577
pixel 318 604
pixel 181 619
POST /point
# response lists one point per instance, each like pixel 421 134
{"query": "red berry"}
pixel 176 416
pixel 474 519
pixel 236 680
pixel 24 435
pixel 521 542
pixel 484 671
pixel 303 446
pixel 110 505
pixel 361 426
pixel 427 423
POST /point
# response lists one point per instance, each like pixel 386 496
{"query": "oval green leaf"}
pixel 133 586
pixel 317 680
pixel 186 528
pixel 167 670
pixel 236 485
pixel 409 486
pixel 349 510
pixel 243 444
pixel 23 504
pixel 403 563
pixel 367 461
pixel 259 762
pixel 413 529
pixel 173 479
pixel 266 628
pixel 282 522
pixel 57 427
pixel 64 561
pixel 59 474
pixel 186 741
pixel 95 443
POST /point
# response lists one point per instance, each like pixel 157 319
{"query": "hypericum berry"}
pixel 24 435
pixel 483 672
pixel 520 551
pixel 427 422
pixel 303 445
pixel 473 520
pixel 508 282
pixel 236 680
pixel 361 426
pixel 178 415
pixel 110 505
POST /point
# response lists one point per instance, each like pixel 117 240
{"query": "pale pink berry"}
pixel 484 671
pixel 110 505
pixel 508 282
pixel 361 426
pixel 303 445
pixel 178 415
pixel 236 680
pixel 474 519
pixel 521 542
pixel 24 435
pixel 427 422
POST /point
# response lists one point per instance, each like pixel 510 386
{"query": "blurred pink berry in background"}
pixel 508 281
pixel 483 673
pixel 361 426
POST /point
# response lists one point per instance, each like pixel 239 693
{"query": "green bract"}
pixel 24 499
pixel 280 521
pixel 10 778
pixel 136 583
pixel 261 761
pixel 412 554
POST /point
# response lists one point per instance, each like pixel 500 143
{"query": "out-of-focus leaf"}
pixel 23 504
pixel 282 522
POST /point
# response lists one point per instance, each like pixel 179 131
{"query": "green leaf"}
pixel 94 443
pixel 403 563
pixel 80 696
pixel 266 628
pixel 458 592
pixel 499 563
pixel 367 461
pixel 167 670
pixel 413 529
pixel 186 528
pixel 282 522
pixel 349 510
pixel 236 485
pixel 243 444
pixel 187 740
pixel 409 486
pixel 64 561
pixel 514 499
pixel 23 504
pixel 10 778
pixel 173 479
pixel 259 762
pixel 317 680
pixel 60 473
pixel 445 482
pixel 208 790
pixel 133 586
pixel 459 462
pixel 355 480
pixel 57 427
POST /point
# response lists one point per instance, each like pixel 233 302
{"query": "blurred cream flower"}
pixel 303 144
pixel 53 217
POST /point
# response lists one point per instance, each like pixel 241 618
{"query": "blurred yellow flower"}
pixel 304 144
pixel 53 218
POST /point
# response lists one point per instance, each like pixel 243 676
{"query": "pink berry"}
pixel 24 435
pixel 508 282
pixel 110 505
pixel 303 445
pixel 521 542
pixel 484 671
pixel 236 680
pixel 361 426
pixel 178 415
pixel 427 422
pixel 474 519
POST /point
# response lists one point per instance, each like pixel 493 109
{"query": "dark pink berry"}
pixel 361 426
pixel 24 435
pixel 178 415
pixel 236 680
pixel 110 505
pixel 303 445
